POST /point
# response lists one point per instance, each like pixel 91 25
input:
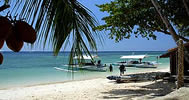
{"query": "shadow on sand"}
pixel 156 89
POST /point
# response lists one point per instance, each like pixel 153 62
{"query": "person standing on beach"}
pixel 111 68
pixel 122 69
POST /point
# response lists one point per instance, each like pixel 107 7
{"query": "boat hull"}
pixel 141 66
pixel 94 68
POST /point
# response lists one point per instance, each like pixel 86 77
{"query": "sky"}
pixel 162 43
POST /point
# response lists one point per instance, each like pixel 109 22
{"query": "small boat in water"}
pixel 90 64
pixel 62 69
pixel 137 62
pixel 118 63
pixel 94 68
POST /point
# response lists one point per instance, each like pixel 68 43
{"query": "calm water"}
pixel 30 68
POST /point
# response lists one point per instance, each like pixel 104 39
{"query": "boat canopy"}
pixel 134 57
pixel 86 57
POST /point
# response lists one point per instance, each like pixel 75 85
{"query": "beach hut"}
pixel 173 55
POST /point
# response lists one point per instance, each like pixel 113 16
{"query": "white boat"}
pixel 137 62
pixel 94 68
pixel 118 63
pixel 62 69
pixel 90 64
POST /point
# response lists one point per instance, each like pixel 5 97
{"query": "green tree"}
pixel 58 22
pixel 145 17
pixel 139 17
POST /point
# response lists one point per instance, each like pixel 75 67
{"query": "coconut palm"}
pixel 59 21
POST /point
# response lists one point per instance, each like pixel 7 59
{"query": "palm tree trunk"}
pixel 165 21
pixel 180 77
pixel 186 6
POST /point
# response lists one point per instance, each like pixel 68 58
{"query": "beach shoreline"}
pixel 48 83
pixel 84 89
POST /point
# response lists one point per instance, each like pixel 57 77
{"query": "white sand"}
pixel 93 89
pixel 180 94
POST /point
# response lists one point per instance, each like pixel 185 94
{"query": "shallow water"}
pixel 30 68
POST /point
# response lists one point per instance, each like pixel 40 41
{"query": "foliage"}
pixel 139 17
pixel 58 21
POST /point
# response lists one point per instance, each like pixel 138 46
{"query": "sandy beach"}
pixel 95 89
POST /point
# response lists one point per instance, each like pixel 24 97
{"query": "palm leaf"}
pixel 58 20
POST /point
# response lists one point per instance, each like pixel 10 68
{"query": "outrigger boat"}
pixel 90 64
pixel 138 61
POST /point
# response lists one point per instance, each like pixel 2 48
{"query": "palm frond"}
pixel 57 20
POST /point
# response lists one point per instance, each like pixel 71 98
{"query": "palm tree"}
pixel 59 21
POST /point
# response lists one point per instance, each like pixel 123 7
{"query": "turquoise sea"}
pixel 32 68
